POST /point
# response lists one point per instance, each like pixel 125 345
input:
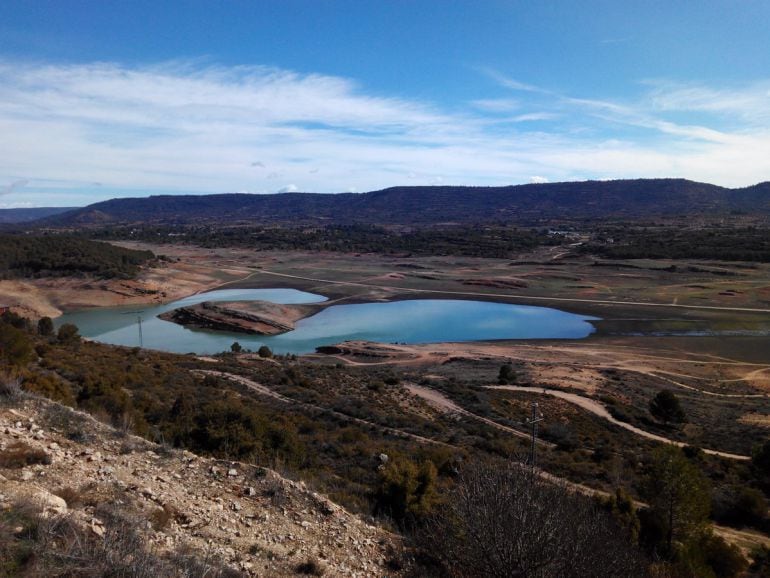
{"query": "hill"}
pixel 524 204
pixel 12 216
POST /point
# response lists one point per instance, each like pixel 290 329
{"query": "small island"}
pixel 251 317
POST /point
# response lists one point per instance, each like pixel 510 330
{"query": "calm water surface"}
pixel 411 321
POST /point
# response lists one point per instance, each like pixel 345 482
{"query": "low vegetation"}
pixel 34 543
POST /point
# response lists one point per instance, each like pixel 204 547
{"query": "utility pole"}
pixel 536 418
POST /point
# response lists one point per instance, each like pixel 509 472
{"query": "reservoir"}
pixel 408 321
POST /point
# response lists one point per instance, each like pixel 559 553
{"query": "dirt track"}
pixel 264 390
pixel 443 403
pixel 600 410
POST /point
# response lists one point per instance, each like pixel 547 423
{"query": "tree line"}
pixel 723 244
pixel 482 241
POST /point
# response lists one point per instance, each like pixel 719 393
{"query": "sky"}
pixel 133 98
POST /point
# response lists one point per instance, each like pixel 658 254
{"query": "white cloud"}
pixel 749 103
pixel 192 128
pixel 537 179
pixel 288 189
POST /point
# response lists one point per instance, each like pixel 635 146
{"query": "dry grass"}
pixel 162 517
pixel 20 454
pixel 35 545
pixel 10 387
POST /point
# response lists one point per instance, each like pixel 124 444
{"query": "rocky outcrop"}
pixel 251 317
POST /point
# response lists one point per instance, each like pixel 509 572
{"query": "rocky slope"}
pixel 250 518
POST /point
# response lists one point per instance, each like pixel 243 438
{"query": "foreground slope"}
pixel 250 518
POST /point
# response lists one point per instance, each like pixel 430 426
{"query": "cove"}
pixel 408 321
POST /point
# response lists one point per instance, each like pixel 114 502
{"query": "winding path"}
pixel 443 403
pixel 600 410
pixel 266 391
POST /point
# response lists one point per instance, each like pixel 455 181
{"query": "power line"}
pixel 536 418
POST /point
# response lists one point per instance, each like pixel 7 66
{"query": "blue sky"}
pixel 130 98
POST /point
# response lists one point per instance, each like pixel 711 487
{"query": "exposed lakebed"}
pixel 408 321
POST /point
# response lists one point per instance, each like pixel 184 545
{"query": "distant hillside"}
pixel 525 204
pixel 56 256
pixel 9 216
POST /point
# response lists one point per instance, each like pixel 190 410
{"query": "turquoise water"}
pixel 411 321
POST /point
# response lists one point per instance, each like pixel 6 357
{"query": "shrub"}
pixel 162 517
pixel 311 567
pixel 73 496
pixel 15 346
pixel 406 491
pixel 506 374
pixel 760 465
pixel 264 351
pixel 10 386
pixel 665 407
pixel 502 521
pixel 739 505
pixel 68 333
pixel 45 326
pixel 20 454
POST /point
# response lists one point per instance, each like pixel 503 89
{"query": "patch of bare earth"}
pixel 756 419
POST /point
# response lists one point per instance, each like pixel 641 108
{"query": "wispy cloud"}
pixel 13 187
pixel 187 126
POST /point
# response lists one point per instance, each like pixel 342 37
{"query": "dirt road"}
pixel 266 391
pixel 600 410
pixel 443 403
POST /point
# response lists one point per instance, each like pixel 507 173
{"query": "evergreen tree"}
pixel 665 407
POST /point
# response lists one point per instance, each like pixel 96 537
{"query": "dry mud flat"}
pixel 579 365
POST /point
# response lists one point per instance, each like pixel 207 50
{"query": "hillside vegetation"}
pixel 47 256
pixel 523 204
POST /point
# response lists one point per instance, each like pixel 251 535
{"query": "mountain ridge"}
pixel 24 215
pixel 417 205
